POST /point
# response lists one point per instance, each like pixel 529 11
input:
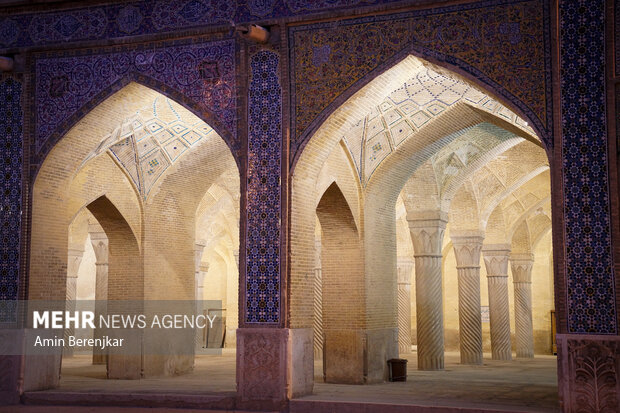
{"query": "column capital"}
pixel 521 266
pixel 427 232
pixel 496 259
pixel 74 260
pixel 199 247
pixel 404 266
pixel 467 247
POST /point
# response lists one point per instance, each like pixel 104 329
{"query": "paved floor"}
pixel 519 385
pixel 212 374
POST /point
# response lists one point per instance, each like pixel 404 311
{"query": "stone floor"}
pixel 519 385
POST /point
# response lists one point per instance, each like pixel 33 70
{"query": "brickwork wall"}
pixel 342 264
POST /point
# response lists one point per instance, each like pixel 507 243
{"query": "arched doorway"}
pixel 429 154
pixel 142 166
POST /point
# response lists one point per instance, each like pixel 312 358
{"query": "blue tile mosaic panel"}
pixel 151 17
pixel 589 268
pixel 202 73
pixel 11 133
pixel 263 190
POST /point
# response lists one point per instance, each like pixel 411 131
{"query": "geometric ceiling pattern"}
pixel 151 140
pixel 407 110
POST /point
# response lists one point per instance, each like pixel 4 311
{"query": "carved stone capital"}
pixel 467 250
pixel 427 235
pixel 521 266
pixel 100 246
pixel 198 249
pixel 404 267
pixel 74 260
pixel 496 257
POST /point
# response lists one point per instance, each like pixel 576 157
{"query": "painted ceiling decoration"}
pixel 151 140
pixel 408 109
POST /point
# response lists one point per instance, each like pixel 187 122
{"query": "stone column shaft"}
pixel 317 319
pixel 467 251
pixel 521 266
pixel 99 241
pixel 198 289
pixel 496 263
pixel 427 238
pixel 405 267
pixel 73 266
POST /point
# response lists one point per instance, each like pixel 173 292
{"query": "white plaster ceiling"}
pixel 408 109
pixel 151 140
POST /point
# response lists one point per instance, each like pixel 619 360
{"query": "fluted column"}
pixel 467 251
pixel 496 263
pixel 99 241
pixel 427 238
pixel 73 265
pixel 521 266
pixel 317 319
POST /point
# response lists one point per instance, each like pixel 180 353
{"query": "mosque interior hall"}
pixel 373 206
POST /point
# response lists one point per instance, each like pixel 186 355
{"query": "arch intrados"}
pixel 366 87
pixel 144 81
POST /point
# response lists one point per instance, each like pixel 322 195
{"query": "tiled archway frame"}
pixel 64 86
pixel 504 46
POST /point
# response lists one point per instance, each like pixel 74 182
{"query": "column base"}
pixel 588 372
pixel 273 365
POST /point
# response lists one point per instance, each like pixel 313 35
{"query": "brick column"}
pixel 521 266
pixel 467 251
pixel 427 238
pixel 99 241
pixel 496 263
pixel 405 268
pixel 73 265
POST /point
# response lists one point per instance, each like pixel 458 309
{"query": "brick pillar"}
pixel 496 263
pixel 405 268
pixel 467 251
pixel 73 265
pixel 521 266
pixel 99 241
pixel 427 238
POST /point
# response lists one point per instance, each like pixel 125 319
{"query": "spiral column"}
pixel 467 251
pixel 427 237
pixel 404 268
pixel 496 263
pixel 99 241
pixel 317 319
pixel 73 265
pixel 521 266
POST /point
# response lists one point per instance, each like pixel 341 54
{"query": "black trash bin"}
pixel 398 369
